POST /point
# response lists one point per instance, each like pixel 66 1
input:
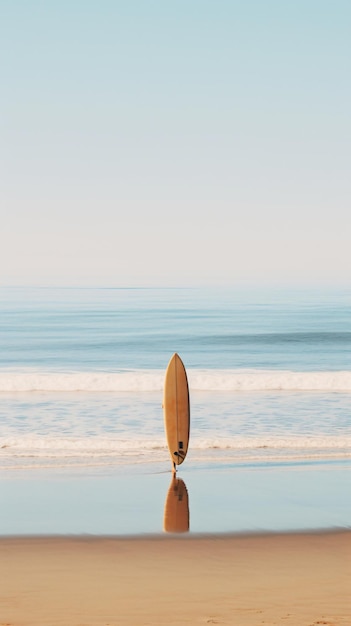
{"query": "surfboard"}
pixel 176 408
pixel 176 513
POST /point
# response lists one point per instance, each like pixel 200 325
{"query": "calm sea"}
pixel 81 375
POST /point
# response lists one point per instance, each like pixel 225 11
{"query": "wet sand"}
pixel 294 579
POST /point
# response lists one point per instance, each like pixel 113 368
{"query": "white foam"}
pixel 60 447
pixel 81 381
pixel 263 380
pixel 73 446
pixel 152 380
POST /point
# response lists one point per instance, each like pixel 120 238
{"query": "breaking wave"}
pixel 199 380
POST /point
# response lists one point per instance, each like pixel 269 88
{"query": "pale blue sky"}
pixel 175 143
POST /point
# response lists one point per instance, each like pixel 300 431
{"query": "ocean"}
pixel 81 375
pixel 82 442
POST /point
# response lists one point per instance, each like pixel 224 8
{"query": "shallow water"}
pixel 255 497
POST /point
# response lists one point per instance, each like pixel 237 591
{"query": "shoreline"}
pixel 175 536
pixel 249 579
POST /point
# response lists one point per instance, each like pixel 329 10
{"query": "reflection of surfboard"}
pixel 176 515
pixel 176 410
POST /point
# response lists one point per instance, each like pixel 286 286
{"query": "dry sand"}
pixel 295 580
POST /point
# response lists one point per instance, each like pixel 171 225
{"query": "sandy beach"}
pixel 294 579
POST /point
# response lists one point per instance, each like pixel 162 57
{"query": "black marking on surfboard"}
pixel 181 454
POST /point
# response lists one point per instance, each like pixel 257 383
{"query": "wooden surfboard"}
pixel 176 514
pixel 176 408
